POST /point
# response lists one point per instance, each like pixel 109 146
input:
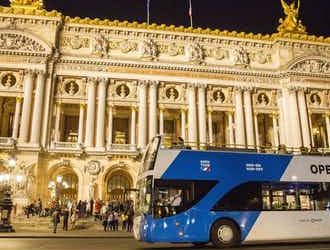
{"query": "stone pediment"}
pixel 18 41
pixel 311 65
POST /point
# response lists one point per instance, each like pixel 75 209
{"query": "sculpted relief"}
pixel 148 50
pixel 19 42
pixel 312 66
pixel 194 53
pixel 100 46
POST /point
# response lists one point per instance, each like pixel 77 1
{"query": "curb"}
pixel 64 237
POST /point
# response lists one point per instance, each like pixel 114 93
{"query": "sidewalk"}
pixel 68 234
pixel 42 228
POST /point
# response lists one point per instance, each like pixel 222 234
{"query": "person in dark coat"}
pixel 65 219
pixel 55 220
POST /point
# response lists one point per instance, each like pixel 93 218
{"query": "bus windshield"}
pixel 150 155
pixel 143 203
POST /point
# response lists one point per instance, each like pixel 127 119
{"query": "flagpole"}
pixel 148 12
pixel 190 14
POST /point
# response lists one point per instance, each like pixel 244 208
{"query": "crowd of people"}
pixel 113 215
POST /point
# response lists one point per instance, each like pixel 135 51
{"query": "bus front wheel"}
pixel 224 233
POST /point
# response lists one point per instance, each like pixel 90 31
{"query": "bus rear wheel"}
pixel 224 233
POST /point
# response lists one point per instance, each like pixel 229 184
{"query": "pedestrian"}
pixel 65 218
pixel 105 222
pixel 110 221
pixel 73 220
pixel 55 220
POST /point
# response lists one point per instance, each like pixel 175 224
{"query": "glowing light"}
pixel 19 178
pixel 12 163
pixel 59 178
pixel 165 225
pixel 294 178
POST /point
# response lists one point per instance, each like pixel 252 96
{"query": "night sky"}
pixel 257 16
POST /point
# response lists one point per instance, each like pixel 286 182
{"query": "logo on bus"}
pixel 206 166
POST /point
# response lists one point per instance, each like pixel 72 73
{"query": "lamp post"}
pixel 6 180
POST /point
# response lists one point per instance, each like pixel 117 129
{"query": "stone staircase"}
pixel 35 223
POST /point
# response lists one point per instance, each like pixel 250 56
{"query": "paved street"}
pixel 126 243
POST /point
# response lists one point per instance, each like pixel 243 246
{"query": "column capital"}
pixel 292 88
pixel 82 105
pixel 40 72
pixel 30 72
pixel 102 80
pixel 248 88
pixel 239 88
pixel 19 99
pixel 201 85
pixel 134 108
pixel 191 85
pixel 153 84
pixel 92 81
pixel 143 83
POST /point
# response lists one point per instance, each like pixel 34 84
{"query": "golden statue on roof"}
pixel 28 4
pixel 291 23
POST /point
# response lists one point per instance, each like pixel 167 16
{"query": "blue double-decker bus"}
pixel 230 198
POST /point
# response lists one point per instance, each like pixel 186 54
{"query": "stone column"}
pixel 256 127
pixel 294 119
pixel 142 134
pixel 231 128
pixel 81 123
pixel 183 124
pixel 27 107
pixel 202 115
pixel 327 122
pixel 18 108
pixel 161 121
pixel 306 132
pixel 133 126
pixel 57 122
pixel 275 130
pixel 110 122
pixel 90 123
pixel 100 125
pixel 153 109
pixel 210 127
pixel 192 117
pixel 249 118
pixel 38 109
pixel 239 119
pixel 281 118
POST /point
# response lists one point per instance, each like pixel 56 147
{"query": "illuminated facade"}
pixel 80 98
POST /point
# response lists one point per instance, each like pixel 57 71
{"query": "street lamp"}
pixel 6 204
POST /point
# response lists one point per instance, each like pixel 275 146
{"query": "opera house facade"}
pixel 81 98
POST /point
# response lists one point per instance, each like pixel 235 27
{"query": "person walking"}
pixel 65 218
pixel 55 220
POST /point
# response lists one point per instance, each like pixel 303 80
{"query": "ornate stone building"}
pixel 81 98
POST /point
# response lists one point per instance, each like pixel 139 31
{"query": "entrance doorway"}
pixel 117 183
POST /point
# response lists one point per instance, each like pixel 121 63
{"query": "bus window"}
pixel 244 197
pixel 143 203
pixel 276 196
pixel 173 197
pixel 150 154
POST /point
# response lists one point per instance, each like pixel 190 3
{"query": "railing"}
pixel 67 145
pixel 7 142
pixel 122 147
pixel 281 149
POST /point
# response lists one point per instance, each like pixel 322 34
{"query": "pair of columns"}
pixel 29 131
pixel 93 85
pixel 243 109
pixel 295 119
pixel 246 121
pixel 230 116
pixel 96 108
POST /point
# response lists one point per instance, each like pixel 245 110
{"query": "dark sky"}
pixel 257 16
